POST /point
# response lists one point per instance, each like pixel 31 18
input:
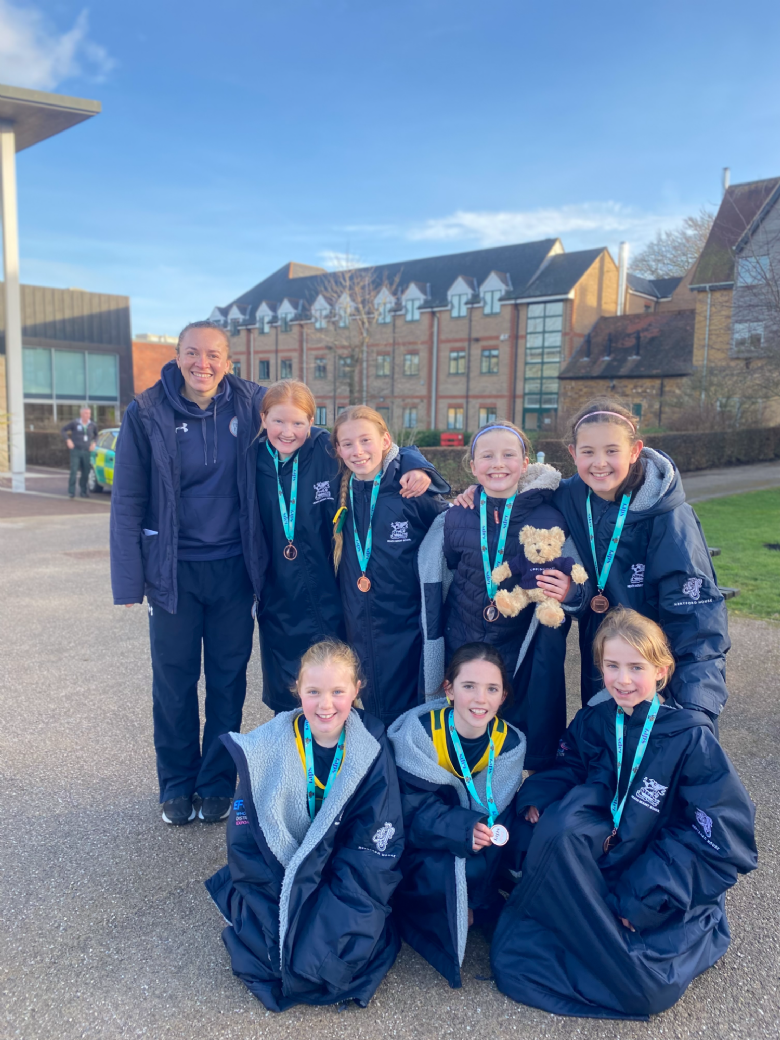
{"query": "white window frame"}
pixel 410 418
pixel 321 415
pixel 745 331
pixel 753 270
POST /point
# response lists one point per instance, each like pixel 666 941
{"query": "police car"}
pixel 101 471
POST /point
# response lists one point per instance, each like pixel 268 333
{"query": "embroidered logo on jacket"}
pixel 705 822
pixel 650 793
pixel 563 747
pixel 692 588
pixel 399 531
pixel 234 426
pixel 383 836
pixel 238 808
pixel 322 492
pixel 184 428
pixel 637 576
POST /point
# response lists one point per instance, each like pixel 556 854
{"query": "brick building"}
pixel 150 353
pixel 454 340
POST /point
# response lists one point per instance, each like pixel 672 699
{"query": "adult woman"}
pixel 184 533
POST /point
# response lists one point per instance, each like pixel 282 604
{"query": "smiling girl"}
pixel 314 841
pixel 459 766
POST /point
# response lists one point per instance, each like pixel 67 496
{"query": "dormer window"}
pixel 492 289
pixel 284 321
pixel 458 305
pixel 234 326
pixel 384 304
pixel 413 299
pixel 320 310
pixel 263 324
pixel 459 294
pixel 412 310
pixel 343 309
pixel 490 300
pixel 287 312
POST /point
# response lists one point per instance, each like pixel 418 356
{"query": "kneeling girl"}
pixel 314 839
pixel 459 767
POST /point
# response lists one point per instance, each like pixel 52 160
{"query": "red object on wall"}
pixel 451 440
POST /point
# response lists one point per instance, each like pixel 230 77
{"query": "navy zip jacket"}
pixel 661 569
pixel 383 624
pixel 685 835
pixel 442 874
pixel 159 507
pixel 301 603
pixel 308 904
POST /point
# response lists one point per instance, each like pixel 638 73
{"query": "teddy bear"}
pixel 543 548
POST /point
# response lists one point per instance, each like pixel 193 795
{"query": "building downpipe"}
pixel 622 273
pixel 434 368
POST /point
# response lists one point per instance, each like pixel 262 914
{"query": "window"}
pixel 263 370
pixel 263 324
pixel 234 326
pixel 383 364
pixel 753 270
pixel 487 414
pixel 320 318
pixel 37 372
pixel 457 362
pixel 543 344
pixel 385 313
pixel 636 410
pixel 454 418
pixel 321 415
pixel 458 307
pixel 489 362
pixel 412 310
pixel 343 313
pixel 237 369
pixel 287 366
pixel 748 336
pixel 410 418
pixel 385 413
pixel 69 374
pixel 345 366
pixel 411 364
pixel 490 300
pixel 320 368
pixel 284 320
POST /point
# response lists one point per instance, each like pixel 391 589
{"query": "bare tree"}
pixel 671 253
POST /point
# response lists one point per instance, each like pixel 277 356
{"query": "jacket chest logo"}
pixel 384 836
pixel 399 531
pixel 692 588
pixel 650 793
pixel 322 492
pixel 234 426
pixel 184 428
pixel 637 576
pixel 704 822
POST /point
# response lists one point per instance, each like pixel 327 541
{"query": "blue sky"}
pixel 238 135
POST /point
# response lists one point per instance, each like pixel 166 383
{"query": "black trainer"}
pixel 212 810
pixel 178 811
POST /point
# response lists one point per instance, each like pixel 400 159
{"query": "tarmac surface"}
pixel 106 929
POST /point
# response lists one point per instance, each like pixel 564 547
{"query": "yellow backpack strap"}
pixel 439 736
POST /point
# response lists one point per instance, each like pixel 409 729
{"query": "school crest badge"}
pixel 705 822
pixel 692 588
pixel 399 531
pixel 234 426
pixel 650 793
pixel 322 492
pixel 384 836
pixel 637 576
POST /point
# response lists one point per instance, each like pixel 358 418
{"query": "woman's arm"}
pixel 129 504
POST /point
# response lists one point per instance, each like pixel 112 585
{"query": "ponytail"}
pixel 338 523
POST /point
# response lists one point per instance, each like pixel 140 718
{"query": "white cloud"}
pixel 34 54
pixel 340 261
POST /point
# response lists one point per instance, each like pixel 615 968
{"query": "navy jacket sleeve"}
pixel 430 823
pixel 709 841
pixel 691 610
pixel 550 785
pixel 129 502
pixel 411 458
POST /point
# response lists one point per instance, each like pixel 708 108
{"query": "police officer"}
pixel 80 436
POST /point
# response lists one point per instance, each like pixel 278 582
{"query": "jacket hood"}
pixel 662 489
pixel 672 719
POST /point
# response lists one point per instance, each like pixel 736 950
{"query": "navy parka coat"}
pixel 442 875
pixel 661 569
pixel 685 835
pixel 383 624
pixel 145 495
pixel 308 904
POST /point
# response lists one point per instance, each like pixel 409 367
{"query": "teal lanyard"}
pixel 617 809
pixel 492 808
pixel 492 588
pixel 288 520
pixel 310 781
pixel 364 557
pixel 601 579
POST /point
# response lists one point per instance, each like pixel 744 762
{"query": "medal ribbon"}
pixel 310 778
pixel 288 520
pixel 364 557
pixel 615 808
pixel 601 579
pixel 491 807
pixel 492 588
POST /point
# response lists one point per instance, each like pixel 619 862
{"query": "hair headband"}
pixel 496 426
pixel 616 414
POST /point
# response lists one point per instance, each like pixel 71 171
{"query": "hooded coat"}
pixel 454 595
pixel 442 875
pixel 661 569
pixel 685 835
pixel 146 499
pixel 307 904
pixel 383 625
pixel 301 604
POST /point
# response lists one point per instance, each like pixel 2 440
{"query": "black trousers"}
pixel 79 460
pixel 213 616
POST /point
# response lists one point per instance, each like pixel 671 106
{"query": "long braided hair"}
pixel 357 411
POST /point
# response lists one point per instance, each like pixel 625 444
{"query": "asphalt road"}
pixel 105 927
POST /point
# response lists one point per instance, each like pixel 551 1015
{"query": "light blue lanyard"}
pixel 492 808
pixel 601 579
pixel 617 809
pixel 492 588
pixel 288 520
pixel 364 557
pixel 310 781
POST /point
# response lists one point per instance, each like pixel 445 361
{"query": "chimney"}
pixel 622 272
pixel 726 178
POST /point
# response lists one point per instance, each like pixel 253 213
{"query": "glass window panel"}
pixel 287 369
pixel 263 369
pixel 411 364
pixel 533 371
pixel 535 310
pixel 553 324
pixel 552 339
pixel 320 369
pixel 536 340
pixel 454 418
pixel 535 325
pixel 550 386
pixel 551 309
pixel 236 371
pixel 487 415
pixel 533 386
pixel 383 364
pixel 549 400
pixel 552 353
pixel 531 400
pixel 36 367
pixel 102 371
pixel 533 354
pixel 321 416
pixel 551 371
pixel 69 375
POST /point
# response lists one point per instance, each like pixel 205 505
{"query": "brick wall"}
pixel 148 360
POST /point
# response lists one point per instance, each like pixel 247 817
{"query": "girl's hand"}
pixel 482 836
pixel 466 499
pixel 627 924
pixel 554 584
pixel 414 483
pixel 532 814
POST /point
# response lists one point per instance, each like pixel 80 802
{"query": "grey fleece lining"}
pixel 278 791
pixel 659 474
pixel 415 753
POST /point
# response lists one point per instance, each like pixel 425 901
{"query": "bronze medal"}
pixel 289 552
pixel 364 583
pixel 499 835
pixel 599 604
pixel 610 841
pixel 491 612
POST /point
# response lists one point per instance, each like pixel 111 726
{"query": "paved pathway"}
pixel 106 930
pixel 731 480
